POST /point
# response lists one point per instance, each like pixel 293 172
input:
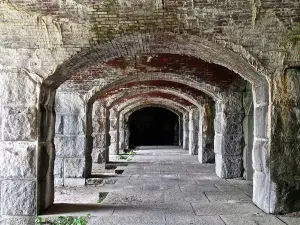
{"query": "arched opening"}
pixel 219 58
pixel 153 126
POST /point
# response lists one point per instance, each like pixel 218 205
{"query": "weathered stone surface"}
pixel 74 167
pixel 99 140
pixel 229 166
pixel 58 167
pixel 229 145
pixel 19 123
pixel 18 197
pixel 70 124
pixel 193 131
pixel 69 146
pixel 264 191
pixel 21 158
pixel 260 156
pixel 26 220
pixel 98 155
pixel 261 115
pixel 17 88
pixel 69 102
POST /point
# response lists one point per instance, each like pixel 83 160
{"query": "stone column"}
pixel 127 132
pixel 248 126
pixel 99 136
pixel 206 134
pixel 121 133
pixel 19 148
pixel 70 139
pixel 229 139
pixel 284 144
pixel 185 127
pixel 193 131
pixel 113 130
pixel 180 131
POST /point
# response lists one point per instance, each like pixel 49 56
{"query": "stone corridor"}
pixel 82 80
pixel 167 186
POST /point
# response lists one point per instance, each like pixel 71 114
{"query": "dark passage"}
pixel 153 126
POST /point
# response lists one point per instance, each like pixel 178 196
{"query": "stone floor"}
pixel 166 186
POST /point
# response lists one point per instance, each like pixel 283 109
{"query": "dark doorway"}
pixel 153 126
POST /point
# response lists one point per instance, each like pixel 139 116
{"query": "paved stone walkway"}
pixel 166 186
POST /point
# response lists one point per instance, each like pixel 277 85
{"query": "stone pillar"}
pixel 285 143
pixel 99 137
pixel 121 133
pixel 180 131
pixel 113 130
pixel 248 126
pixel 206 134
pixel 19 148
pixel 185 134
pixel 70 139
pixel 127 132
pixel 193 131
pixel 229 139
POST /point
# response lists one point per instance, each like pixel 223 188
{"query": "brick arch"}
pixel 155 43
pixel 129 110
pixel 189 82
pixel 159 91
pixel 140 101
pixel 122 106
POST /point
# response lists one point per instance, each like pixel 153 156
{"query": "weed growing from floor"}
pixel 64 220
pixel 102 196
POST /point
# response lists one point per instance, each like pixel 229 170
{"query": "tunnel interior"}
pixel 153 126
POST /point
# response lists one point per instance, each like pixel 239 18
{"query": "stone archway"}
pixel 217 55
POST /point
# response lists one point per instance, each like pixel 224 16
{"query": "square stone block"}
pixel 69 102
pixel 260 156
pixel 98 124
pixel 19 123
pixel 74 167
pixel 229 145
pixel 17 160
pixel 74 182
pixel 70 146
pixel 99 140
pixel 58 167
pixel 229 167
pixel 73 124
pixel 17 88
pixel 24 220
pixel 260 121
pixel 18 197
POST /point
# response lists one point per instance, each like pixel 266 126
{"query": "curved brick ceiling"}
pixel 209 73
pixel 142 85
pixel 157 94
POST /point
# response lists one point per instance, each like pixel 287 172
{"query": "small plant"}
pixel 123 157
pixel 131 152
pixel 102 196
pixel 65 220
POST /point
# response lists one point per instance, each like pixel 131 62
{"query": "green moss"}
pixel 110 3
pixel 295 34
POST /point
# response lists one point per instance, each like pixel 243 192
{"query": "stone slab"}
pixel 217 208
pixel 232 196
pixel 252 219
